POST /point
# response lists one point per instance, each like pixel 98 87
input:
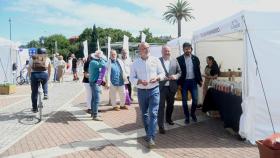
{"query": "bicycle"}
pixel 21 78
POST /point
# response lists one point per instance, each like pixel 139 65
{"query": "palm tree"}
pixel 177 12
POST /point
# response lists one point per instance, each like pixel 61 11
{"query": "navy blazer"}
pixel 196 69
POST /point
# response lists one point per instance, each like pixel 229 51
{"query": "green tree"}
pixel 149 35
pixel 33 44
pixel 85 35
pixel 93 41
pixel 62 44
pixel 177 12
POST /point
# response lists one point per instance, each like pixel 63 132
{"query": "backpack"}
pixel 39 62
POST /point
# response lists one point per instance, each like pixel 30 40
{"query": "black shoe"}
pixel 46 97
pixel 170 122
pixel 199 106
pixel 89 111
pixel 194 118
pixel 187 121
pixel 34 110
pixel 161 130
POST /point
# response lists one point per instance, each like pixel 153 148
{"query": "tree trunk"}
pixel 179 28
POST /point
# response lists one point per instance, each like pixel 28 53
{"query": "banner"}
pixel 143 37
pixel 98 46
pixel 109 47
pixel 126 44
pixel 85 44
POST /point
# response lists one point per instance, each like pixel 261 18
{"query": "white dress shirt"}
pixel 189 67
pixel 146 70
pixel 167 66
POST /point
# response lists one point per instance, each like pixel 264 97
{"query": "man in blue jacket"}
pixel 94 68
pixel 190 78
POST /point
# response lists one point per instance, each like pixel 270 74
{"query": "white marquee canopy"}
pixel 250 41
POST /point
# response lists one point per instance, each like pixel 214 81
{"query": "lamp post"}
pixel 13 71
pixel 10 21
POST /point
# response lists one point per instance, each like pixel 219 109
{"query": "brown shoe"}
pixel 116 108
pixel 124 107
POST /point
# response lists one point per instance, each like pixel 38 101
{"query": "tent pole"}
pixel 5 73
pixel 258 72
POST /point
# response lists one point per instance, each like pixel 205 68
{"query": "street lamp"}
pixel 13 71
pixel 10 21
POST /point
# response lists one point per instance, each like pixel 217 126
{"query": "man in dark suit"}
pixel 168 87
pixel 190 78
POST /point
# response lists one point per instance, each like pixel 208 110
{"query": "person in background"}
pixel 190 78
pixel 127 63
pixel 116 79
pixel 94 67
pixel 40 68
pixel 211 72
pixel 27 74
pixel 55 64
pixel 61 65
pixel 146 72
pixel 74 67
pixel 86 83
pixel 168 87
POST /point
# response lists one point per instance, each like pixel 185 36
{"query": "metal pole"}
pixel 10 22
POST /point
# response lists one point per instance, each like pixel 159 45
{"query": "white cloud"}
pixel 74 15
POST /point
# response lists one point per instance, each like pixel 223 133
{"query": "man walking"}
pixel 145 73
pixel 94 68
pixel 116 78
pixel 190 78
pixel 168 87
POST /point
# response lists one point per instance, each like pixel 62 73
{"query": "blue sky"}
pixel 34 18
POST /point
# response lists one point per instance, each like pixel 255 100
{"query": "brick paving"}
pixel 108 151
pixel 10 100
pixel 206 139
pixel 61 128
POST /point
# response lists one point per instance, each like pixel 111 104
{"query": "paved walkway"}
pixel 68 131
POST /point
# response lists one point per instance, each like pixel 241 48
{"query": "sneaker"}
pixel 34 110
pixel 97 118
pixel 151 144
pixel 116 108
pixel 46 97
pixel 124 107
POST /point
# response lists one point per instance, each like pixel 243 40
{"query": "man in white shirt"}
pixel 146 72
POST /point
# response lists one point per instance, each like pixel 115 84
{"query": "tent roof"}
pixel 7 43
pixel 235 23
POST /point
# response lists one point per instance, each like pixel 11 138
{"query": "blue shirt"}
pixel 94 66
pixel 116 74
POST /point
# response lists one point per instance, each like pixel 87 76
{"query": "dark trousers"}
pixel 166 96
pixel 129 87
pixel 35 77
pixel 189 85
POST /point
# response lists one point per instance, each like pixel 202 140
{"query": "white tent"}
pixel 176 45
pixel 250 41
pixel 7 59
